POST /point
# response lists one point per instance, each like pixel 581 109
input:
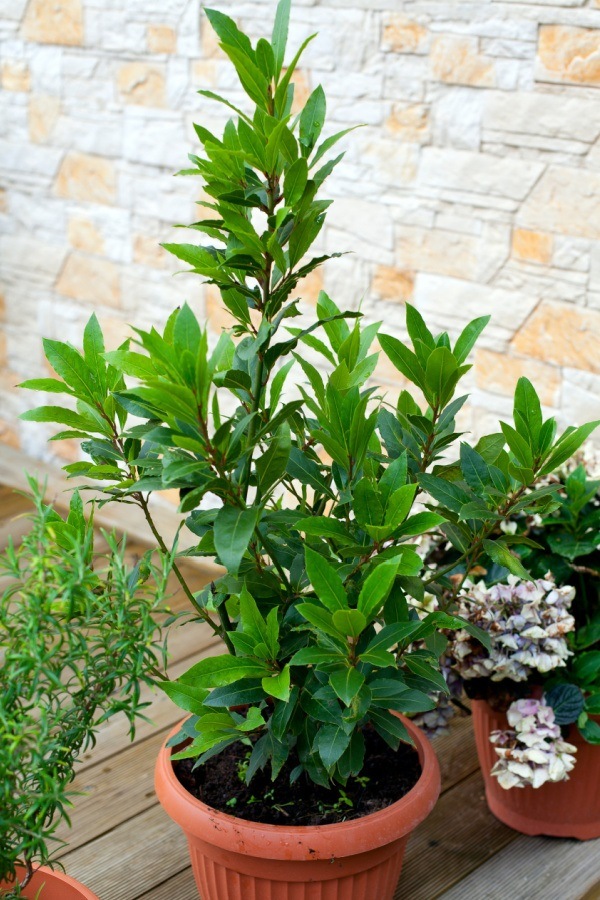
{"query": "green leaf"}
pixel 271 465
pixel 446 493
pixel 324 526
pixel 232 532
pixel 49 385
pixel 420 524
pixel 306 471
pixel 468 338
pixel 218 671
pixel 70 365
pixel 93 350
pixel 422 667
pixel 326 582
pixel 376 588
pixel 280 34
pixel 475 470
pixel 331 742
pixel 441 374
pixel 350 622
pixel 389 727
pixel 347 682
pixel 567 444
pixel 239 693
pixel 586 668
pixel 319 617
pixel 418 332
pixel 503 557
pixel 567 701
pixel 55 414
pixel 399 505
pixel 312 118
pixel 295 181
pixel 591 731
pixel 592 704
pixel 528 411
pixel 278 685
pixel 403 359
pixel 518 445
pixel 185 696
pixel 228 32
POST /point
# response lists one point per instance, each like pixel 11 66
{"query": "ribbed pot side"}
pixel 235 859
pixel 53 886
pixel 560 809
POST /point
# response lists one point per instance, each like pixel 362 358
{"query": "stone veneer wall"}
pixel 473 188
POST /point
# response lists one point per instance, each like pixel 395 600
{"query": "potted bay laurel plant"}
pixel 298 476
pixel 77 639
pixel 536 690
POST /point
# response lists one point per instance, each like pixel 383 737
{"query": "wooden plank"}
pixel 535 867
pixel 182 887
pixel 458 836
pixel 456 752
pixel 112 792
pixel 131 859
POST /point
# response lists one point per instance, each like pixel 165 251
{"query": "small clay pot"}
pixel 54 885
pixel 234 859
pixel 561 809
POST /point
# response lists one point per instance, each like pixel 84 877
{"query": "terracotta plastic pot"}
pixel 560 809
pixel 235 859
pixel 55 886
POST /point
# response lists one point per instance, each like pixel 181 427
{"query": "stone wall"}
pixel 474 186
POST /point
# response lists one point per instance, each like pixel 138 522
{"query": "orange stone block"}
pixel 499 373
pixel 90 279
pixel 456 60
pixel 532 246
pixel 141 85
pixel 84 176
pixel 54 22
pixel 411 123
pixel 570 54
pixel 404 35
pixel 393 284
pixel 14 75
pixel 84 235
pixel 561 334
pixel 161 39
pixel 148 252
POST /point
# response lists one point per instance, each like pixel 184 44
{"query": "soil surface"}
pixel 218 783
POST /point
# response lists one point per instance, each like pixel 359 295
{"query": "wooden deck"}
pixel 124 847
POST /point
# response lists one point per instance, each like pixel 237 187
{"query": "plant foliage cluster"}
pixel 296 474
pixel 78 637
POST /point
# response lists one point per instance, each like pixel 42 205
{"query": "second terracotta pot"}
pixel 560 809
pixel 47 884
pixel 235 859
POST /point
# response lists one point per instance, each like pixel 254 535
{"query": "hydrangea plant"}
pixel 78 637
pixel 297 474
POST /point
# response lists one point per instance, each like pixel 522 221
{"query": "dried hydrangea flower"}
pixel 527 622
pixel 532 751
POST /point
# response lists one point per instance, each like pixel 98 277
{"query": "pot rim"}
pixel 62 878
pixel 280 841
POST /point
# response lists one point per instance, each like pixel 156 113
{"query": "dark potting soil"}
pixel 391 774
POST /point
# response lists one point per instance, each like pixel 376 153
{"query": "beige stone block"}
pixel 547 115
pixel 141 85
pixel 54 22
pixel 3 200
pixel 84 235
pixel 90 279
pixel 84 176
pixel 532 246
pixel 148 252
pixel 483 173
pixel 410 123
pixel 161 39
pixel 448 253
pixel 204 72
pixel 44 110
pixel 15 75
pixel 402 34
pixel 569 54
pixel 564 200
pixel 562 334
pixel 393 284
pixel 499 373
pixel 456 60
